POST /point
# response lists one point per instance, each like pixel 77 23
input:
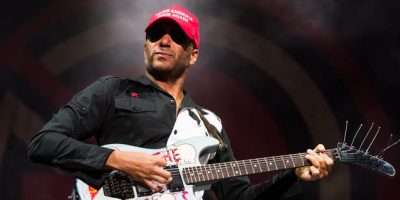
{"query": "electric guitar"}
pixel 190 177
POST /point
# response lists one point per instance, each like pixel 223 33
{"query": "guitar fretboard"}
pixel 212 172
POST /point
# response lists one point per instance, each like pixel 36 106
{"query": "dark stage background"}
pixel 282 75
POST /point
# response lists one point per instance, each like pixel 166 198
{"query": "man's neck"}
pixel 172 87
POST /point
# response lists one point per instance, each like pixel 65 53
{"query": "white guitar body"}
pixel 186 153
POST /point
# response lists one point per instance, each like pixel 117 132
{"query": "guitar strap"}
pixel 213 131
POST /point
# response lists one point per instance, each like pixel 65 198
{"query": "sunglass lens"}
pixel 179 36
pixel 155 34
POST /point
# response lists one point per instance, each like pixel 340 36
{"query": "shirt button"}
pixel 172 101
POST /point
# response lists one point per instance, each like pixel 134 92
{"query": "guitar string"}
pixel 229 168
pixel 246 163
pixel 263 160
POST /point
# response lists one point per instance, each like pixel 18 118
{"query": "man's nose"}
pixel 165 40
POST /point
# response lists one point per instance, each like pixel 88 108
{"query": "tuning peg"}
pixel 369 130
pixel 366 151
pixel 388 147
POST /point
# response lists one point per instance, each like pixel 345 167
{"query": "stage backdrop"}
pixel 282 75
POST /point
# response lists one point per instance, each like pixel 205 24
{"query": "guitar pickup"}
pixel 177 184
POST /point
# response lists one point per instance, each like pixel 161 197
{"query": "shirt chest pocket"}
pixel 134 114
pixel 132 120
pixel 134 105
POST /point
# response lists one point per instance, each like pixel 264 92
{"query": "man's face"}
pixel 168 52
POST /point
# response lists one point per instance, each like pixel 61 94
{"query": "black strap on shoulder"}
pixel 213 131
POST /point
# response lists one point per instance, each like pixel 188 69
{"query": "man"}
pixel 153 112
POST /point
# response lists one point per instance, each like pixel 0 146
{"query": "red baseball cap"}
pixel 186 20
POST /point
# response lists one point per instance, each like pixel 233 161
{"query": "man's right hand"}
pixel 143 167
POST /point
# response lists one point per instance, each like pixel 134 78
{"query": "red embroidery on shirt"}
pixel 134 94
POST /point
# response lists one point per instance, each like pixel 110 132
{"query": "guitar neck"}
pixel 217 171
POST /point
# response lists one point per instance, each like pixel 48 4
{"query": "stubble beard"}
pixel 167 74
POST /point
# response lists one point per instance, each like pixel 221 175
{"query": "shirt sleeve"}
pixel 59 142
pixel 282 186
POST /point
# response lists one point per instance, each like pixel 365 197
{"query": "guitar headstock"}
pixel 350 155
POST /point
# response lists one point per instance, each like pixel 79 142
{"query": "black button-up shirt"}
pixel 137 113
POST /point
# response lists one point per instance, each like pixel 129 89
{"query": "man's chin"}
pixel 162 64
pixel 159 73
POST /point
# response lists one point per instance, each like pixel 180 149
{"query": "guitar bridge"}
pixel 118 185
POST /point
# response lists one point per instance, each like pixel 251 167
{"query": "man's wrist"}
pixel 111 160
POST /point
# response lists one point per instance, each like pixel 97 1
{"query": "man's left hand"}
pixel 321 165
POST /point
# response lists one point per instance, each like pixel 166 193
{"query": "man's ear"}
pixel 194 56
pixel 144 48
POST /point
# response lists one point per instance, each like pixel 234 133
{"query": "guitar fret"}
pixel 291 157
pixel 228 170
pixel 197 173
pixel 188 178
pixel 207 171
pixel 269 161
pixel 301 158
pixel 239 168
pixel 219 170
pixel 255 165
pixel 266 163
pixel 203 173
pixel 259 165
pixel 185 175
pixel 200 173
pixel 236 169
pixel 262 167
pixel 216 171
pixel 211 172
pixel 278 163
pixel 276 166
pixel 192 174
pixel 283 161
pixel 210 167
pixel 223 170
pixel 251 164
pixel 245 166
pixel 233 170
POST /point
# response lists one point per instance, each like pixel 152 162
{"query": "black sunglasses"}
pixel 178 36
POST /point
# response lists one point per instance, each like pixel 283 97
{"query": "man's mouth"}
pixel 162 53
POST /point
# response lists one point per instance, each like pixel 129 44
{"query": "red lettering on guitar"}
pixel 171 155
